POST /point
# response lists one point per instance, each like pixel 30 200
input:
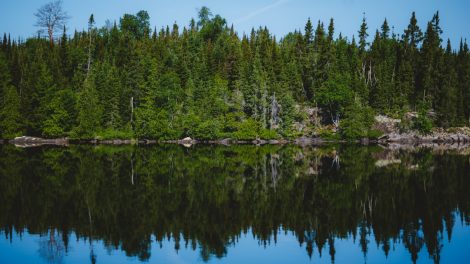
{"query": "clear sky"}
pixel 280 16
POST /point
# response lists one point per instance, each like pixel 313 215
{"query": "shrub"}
pixel 374 134
pixel 357 121
pixel 423 123
pixel 115 134
pixel 329 134
pixel 209 129
pixel 247 130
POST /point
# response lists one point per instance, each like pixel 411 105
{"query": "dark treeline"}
pixel 126 195
pixel 205 81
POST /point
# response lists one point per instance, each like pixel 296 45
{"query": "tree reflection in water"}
pixel 52 248
pixel 207 197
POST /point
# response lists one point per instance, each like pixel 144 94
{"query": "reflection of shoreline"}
pixel 436 148
pixel 319 193
pixel 26 142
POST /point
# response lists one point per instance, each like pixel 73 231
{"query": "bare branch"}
pixel 51 17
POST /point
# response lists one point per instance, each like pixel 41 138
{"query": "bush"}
pixel 247 130
pixel 357 122
pixel 268 134
pixel 423 123
pixel 209 129
pixel 115 134
pixel 329 134
pixel 374 134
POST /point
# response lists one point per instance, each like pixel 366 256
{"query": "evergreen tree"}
pixel 10 116
pixel 89 111
pixel 431 54
pixel 363 36
pixel 309 32
pixel 463 95
pixel 445 102
pixel 60 114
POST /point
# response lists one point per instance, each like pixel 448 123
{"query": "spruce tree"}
pixel 89 111
pixel 446 104
pixel 10 116
pixel 363 36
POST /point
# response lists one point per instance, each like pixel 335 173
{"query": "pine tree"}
pixel 59 114
pixel 89 111
pixel 363 36
pixel 413 35
pixel 10 116
pixel 308 32
pixel 446 99
pixel 431 53
pixel 463 95
pixel 408 60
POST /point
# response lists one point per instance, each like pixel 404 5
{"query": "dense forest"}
pixel 127 80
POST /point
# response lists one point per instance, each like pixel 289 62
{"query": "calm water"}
pixel 238 204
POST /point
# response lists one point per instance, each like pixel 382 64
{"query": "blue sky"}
pixel 280 16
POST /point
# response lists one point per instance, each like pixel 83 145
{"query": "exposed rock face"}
pixel 436 136
pixel 391 130
pixel 386 125
pixel 25 141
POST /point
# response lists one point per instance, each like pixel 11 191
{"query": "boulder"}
pixel 225 141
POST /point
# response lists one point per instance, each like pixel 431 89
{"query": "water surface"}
pixel 233 204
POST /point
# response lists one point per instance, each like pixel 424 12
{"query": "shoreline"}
pixel 405 139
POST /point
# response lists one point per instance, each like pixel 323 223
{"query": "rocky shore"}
pixel 457 136
pixel 392 134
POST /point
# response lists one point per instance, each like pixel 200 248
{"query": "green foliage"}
pixel 60 111
pixel 10 125
pixel 248 129
pixel 137 25
pixel 374 134
pixel 328 134
pixel 423 123
pixel 357 122
pixel 251 129
pixel 89 111
pixel 206 81
pixel 209 129
pixel 334 94
pixel 10 115
pixel 115 134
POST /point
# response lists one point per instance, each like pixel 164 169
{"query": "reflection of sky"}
pixel 24 249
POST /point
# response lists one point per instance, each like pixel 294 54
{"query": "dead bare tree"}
pixel 51 17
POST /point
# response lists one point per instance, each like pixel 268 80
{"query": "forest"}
pixel 207 81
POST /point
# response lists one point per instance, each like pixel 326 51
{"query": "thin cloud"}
pixel 261 10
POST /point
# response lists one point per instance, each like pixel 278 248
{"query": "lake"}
pixel 234 204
